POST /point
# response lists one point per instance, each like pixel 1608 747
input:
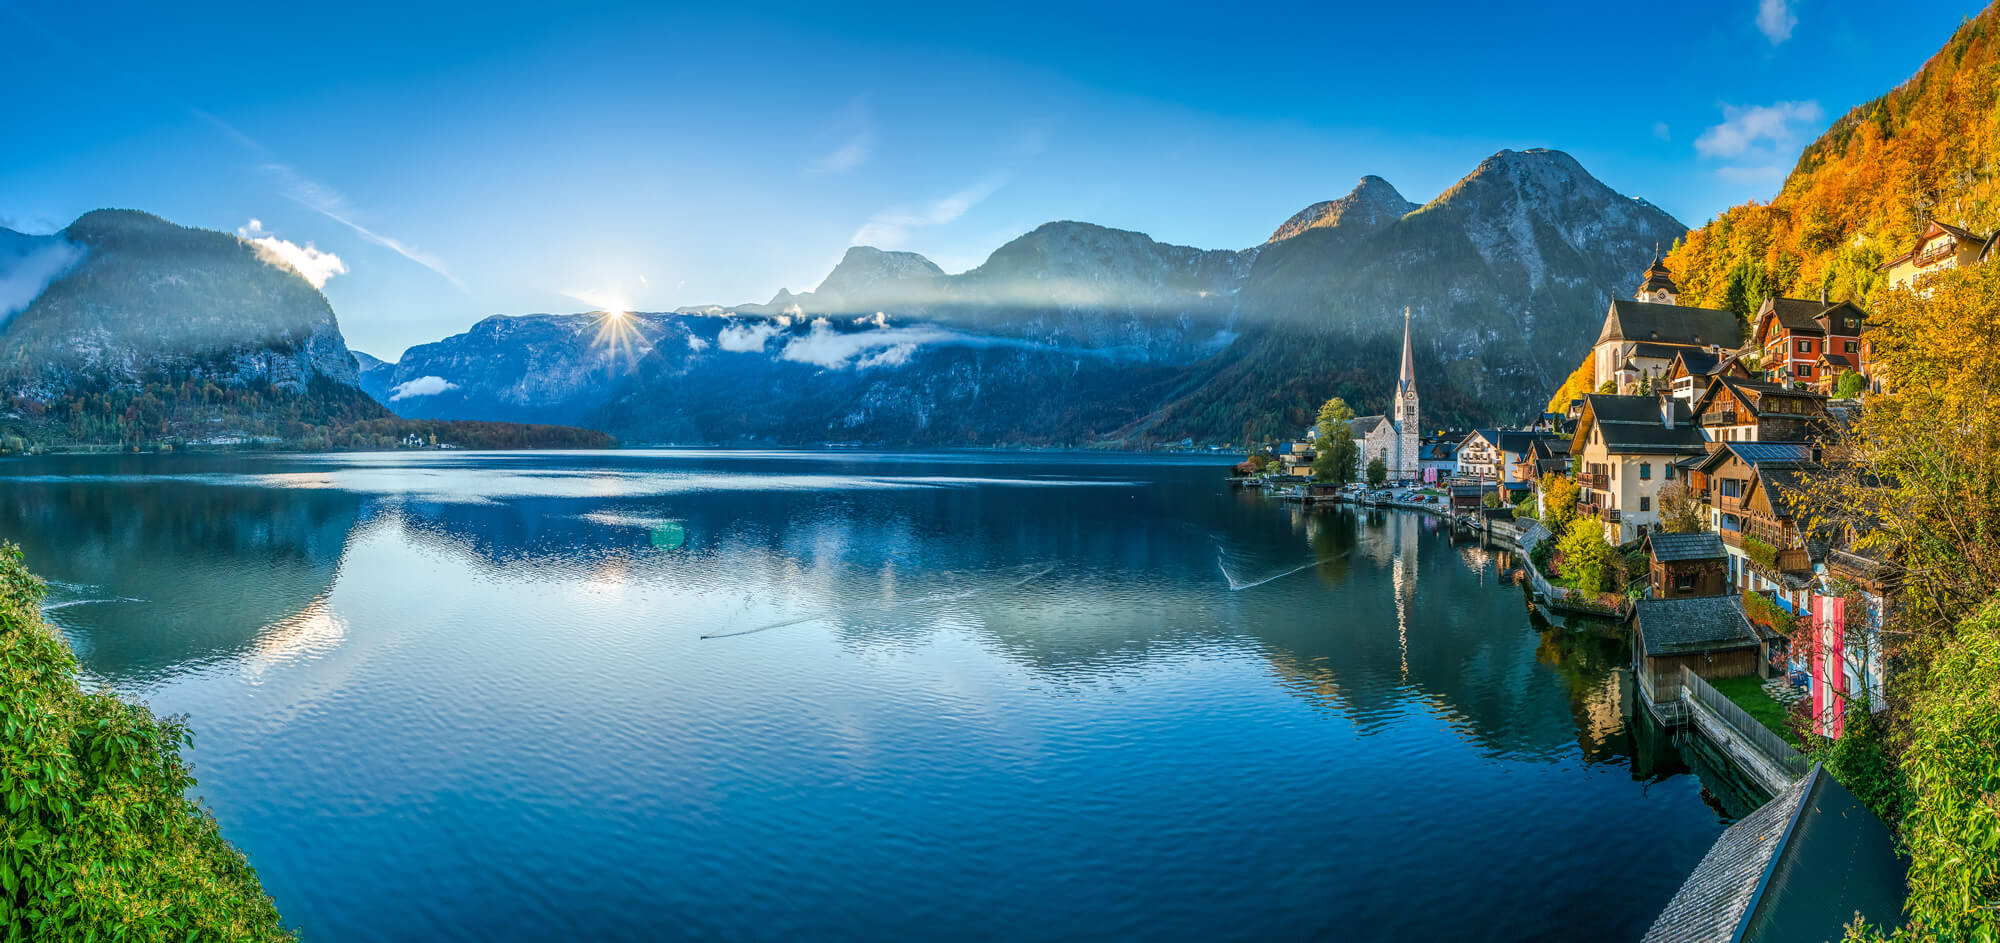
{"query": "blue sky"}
pixel 445 165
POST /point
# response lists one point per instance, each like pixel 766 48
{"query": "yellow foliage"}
pixel 1582 380
pixel 1864 191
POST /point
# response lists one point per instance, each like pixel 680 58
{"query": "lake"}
pixel 756 695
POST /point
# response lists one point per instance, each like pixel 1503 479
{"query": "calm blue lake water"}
pixel 652 695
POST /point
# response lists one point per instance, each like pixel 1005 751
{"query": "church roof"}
pixel 1363 425
pixel 1671 324
pixel 1407 380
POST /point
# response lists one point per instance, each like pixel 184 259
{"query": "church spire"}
pixel 1408 381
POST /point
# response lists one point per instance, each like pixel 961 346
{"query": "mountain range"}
pixel 1078 334
pixel 125 327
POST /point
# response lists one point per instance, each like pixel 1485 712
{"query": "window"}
pixel 1805 371
pixel 1684 581
pixel 1670 471
pixel 1645 472
pixel 1645 504
pixel 1805 347
pixel 1853 347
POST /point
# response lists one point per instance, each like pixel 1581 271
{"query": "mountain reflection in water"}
pixel 634 695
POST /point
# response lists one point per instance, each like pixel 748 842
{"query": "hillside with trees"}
pixel 1864 191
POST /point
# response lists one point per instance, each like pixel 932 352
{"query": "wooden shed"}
pixel 1693 564
pixel 1708 634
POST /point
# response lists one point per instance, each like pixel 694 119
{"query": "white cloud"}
pixel 889 228
pixel 421 386
pixel 1661 131
pixel 849 155
pixel 825 347
pixel 855 130
pixel 1751 128
pixel 315 265
pixel 23 278
pixel 746 338
pixel 696 344
pixel 1775 20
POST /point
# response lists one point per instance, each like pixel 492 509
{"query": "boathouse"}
pixel 1708 634
pixel 1800 868
pixel 1694 564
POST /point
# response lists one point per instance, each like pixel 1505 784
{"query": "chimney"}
pixel 1822 294
pixel 1667 402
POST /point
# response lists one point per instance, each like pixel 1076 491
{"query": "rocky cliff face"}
pixel 1080 334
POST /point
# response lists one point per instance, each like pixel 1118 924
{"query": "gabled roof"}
pixel 1694 624
pixel 1634 424
pixel 1756 454
pixel 1932 231
pixel 1645 321
pixel 1672 548
pixel 1517 444
pixel 1695 363
pixel 1750 393
pixel 1797 869
pixel 1783 487
pixel 1837 360
pixel 1803 316
pixel 1490 436
pixel 1362 425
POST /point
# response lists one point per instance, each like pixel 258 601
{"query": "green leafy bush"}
pixel 99 841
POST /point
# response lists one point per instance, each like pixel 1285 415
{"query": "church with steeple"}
pixel 1393 438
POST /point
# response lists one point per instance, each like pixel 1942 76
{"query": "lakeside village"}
pixel 1678 497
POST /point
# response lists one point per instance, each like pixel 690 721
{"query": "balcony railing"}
pixel 1726 417
pixel 1594 480
pixel 1733 538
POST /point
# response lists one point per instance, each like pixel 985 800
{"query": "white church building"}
pixel 1392 438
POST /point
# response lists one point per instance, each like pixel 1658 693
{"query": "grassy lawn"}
pixel 1748 693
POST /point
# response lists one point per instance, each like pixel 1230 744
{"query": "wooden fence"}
pixel 1766 741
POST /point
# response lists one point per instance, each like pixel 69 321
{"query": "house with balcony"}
pixel 1689 374
pixel 1479 455
pixel 1941 247
pixel 1641 337
pixel 1738 410
pixel 1625 449
pixel 1792 335
pixel 1754 490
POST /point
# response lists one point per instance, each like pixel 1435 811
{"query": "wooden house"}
pixel 1794 333
pixel 1939 248
pixel 1694 564
pixel 1739 410
pixel 1688 375
pixel 1709 635
pixel 1754 489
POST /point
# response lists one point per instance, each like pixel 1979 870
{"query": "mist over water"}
pixel 449 696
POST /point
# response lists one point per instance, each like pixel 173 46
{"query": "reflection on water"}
pixel 634 695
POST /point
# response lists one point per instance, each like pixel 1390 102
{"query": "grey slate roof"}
pixel 1362 425
pixel 1796 870
pixel 1712 901
pixel 1671 324
pixel 1673 548
pixel 1633 424
pixel 1694 624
